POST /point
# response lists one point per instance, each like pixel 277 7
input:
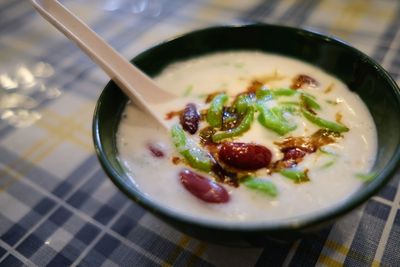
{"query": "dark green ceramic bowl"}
pixel 364 76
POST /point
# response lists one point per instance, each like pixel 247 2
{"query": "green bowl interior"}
pixel 359 72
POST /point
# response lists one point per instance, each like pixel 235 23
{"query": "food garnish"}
pixel 244 156
pixel 189 118
pixel 298 176
pixel 203 188
pixel 261 185
pixel 214 114
pixel 367 177
pixel 234 163
pixel 196 157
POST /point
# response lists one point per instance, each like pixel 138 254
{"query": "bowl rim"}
pixel 295 223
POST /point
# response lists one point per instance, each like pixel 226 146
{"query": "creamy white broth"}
pixel 232 72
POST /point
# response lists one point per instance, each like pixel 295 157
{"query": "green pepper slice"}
pixel 309 101
pixel 274 120
pixel 283 92
pixel 289 103
pixel 296 175
pixel 241 103
pixel 264 95
pixel 330 125
pixel 261 185
pixel 328 164
pixel 194 155
pixel 367 177
pixel 243 126
pixel 214 113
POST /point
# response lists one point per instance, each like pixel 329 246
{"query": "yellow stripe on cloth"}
pixel 328 261
pixel 64 125
pixel 350 14
pixel 183 241
pixel 10 171
pixel 336 247
pixel 12 174
pixel 350 18
pixel 197 253
pixel 63 130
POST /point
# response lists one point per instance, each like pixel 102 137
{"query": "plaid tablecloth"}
pixel 58 208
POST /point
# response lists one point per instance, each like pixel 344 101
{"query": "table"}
pixel 58 208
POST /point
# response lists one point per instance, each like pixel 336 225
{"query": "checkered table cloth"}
pixel 58 208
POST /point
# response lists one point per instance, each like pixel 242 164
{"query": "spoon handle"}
pixel 135 84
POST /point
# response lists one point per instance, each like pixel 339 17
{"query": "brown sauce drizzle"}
pixel 254 86
pixel 206 135
pixel 172 114
pixel 225 176
pixel 303 79
pixel 338 117
pixel 329 88
pixel 294 149
pixel 271 77
pixel 230 119
pixel 176 160
pixel 211 96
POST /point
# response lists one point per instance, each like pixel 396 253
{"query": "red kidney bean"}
pixel 155 151
pixel 190 118
pixel 293 153
pixel 244 156
pixel 203 188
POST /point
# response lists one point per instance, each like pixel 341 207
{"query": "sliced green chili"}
pixel 274 120
pixel 330 155
pixel 367 177
pixel 274 93
pixel 327 152
pixel 243 126
pixel 214 113
pixel 194 155
pixel 330 125
pixel 241 103
pixel 264 95
pixel 289 103
pixel 188 90
pixel 331 102
pixel 297 176
pixel 283 92
pixel 328 164
pixel 261 185
pixel 287 108
pixel 309 101
pixel 238 65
